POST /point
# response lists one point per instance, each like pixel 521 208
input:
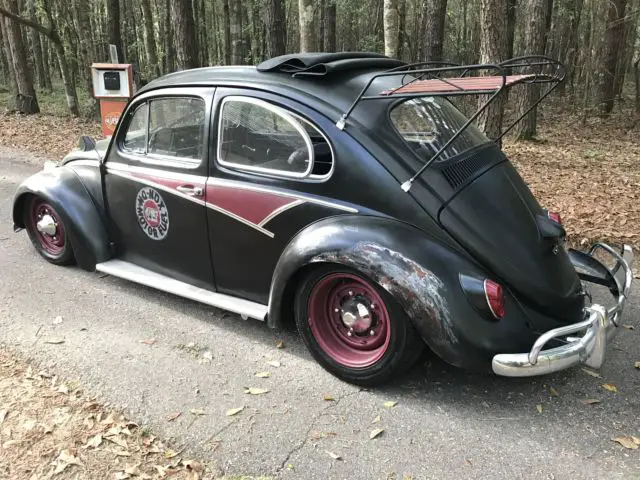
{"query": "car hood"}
pixel 97 154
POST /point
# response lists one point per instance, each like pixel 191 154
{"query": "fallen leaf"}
pixel 636 440
pixel 54 341
pixel 610 387
pixel 121 476
pixel 193 465
pixel 132 470
pixel 274 363
pixel 149 341
pixel 280 344
pixel 389 404
pixel 539 408
pixel 626 442
pixel 173 416
pixel 123 453
pixel 263 374
pixel 375 433
pixel 335 456
pixel 592 373
pixel 553 392
pixel 57 320
pixel 94 442
pixel 207 356
pixel 198 412
pixel 256 391
pixel 118 441
pixel 29 425
pixel 590 401
pixel 3 414
pixel 328 398
pixel 64 389
pixel 376 420
pixel 169 454
pixel 289 466
pixel 628 327
pixel 637 365
pixel 65 459
pixel 234 411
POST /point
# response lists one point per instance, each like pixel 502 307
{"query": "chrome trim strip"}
pixel 143 276
pixel 83 163
pixel 174 191
pixel 280 210
pixel 258 188
pixel 278 111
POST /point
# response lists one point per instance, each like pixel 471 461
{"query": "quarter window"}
pixel 168 127
pixel 258 136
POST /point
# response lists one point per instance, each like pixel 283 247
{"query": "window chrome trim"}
pixel 278 111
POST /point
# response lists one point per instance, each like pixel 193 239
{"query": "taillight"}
pixel 555 217
pixel 495 298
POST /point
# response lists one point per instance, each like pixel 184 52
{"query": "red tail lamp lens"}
pixel 495 298
pixel 555 216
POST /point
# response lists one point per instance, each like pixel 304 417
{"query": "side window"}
pixel 258 136
pixel 167 127
pixel 136 138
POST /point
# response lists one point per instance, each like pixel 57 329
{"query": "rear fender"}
pixel 421 273
pixel 84 219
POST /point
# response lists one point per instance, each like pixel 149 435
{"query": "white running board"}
pixel 137 274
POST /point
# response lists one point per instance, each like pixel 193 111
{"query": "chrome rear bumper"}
pixel 590 348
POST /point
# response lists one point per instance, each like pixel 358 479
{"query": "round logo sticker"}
pixel 152 213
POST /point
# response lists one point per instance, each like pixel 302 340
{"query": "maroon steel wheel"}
pixel 47 228
pixel 349 320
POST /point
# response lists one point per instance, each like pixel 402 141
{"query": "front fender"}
pixel 84 219
pixel 420 272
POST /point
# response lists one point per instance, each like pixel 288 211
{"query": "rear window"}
pixel 428 123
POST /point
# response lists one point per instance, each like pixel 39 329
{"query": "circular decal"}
pixel 152 213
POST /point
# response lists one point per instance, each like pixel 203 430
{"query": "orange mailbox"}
pixel 113 87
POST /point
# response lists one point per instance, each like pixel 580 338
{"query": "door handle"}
pixel 191 190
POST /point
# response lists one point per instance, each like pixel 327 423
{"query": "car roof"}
pixel 341 79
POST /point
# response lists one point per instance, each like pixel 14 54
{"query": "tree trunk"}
pixel 492 50
pixel 636 69
pixel 27 100
pixel 512 10
pixel 169 44
pixel 150 39
pixel 391 25
pixel 185 34
pixel 11 71
pixel 275 23
pixel 226 27
pixel 434 20
pixel 569 45
pixel 614 37
pixel 45 62
pixel 330 27
pixel 534 42
pixel 86 50
pixel 113 27
pixel 402 22
pixel 36 48
pixel 235 30
pixel 305 11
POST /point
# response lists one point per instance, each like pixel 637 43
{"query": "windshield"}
pixel 428 123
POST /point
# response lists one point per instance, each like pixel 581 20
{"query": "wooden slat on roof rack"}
pixel 451 85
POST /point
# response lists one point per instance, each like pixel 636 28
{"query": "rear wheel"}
pixel 354 328
pixel 47 231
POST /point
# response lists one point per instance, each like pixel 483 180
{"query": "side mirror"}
pixel 87 144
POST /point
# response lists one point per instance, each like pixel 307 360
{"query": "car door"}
pixel 155 184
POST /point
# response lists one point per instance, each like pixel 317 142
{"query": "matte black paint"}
pixel 81 212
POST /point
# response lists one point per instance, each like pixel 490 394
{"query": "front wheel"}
pixel 47 231
pixel 354 328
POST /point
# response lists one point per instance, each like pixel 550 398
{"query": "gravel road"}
pixel 446 424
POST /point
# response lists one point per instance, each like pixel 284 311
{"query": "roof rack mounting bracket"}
pixel 342 122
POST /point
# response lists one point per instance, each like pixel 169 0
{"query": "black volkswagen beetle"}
pixel 345 191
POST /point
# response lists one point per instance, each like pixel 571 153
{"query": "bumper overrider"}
pixel 594 332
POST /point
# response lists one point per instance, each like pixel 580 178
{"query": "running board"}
pixel 143 276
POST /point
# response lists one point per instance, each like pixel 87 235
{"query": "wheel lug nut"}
pixel 350 332
pixel 372 333
pixel 373 305
pixel 337 310
pixel 350 293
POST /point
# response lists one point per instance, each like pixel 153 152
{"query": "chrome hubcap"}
pixel 356 316
pixel 47 225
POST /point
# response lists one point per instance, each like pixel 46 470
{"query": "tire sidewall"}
pixel 63 258
pixel 399 325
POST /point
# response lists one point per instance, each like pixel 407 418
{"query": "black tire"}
pixel 54 249
pixel 404 344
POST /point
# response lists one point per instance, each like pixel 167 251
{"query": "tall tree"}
pixel 235 29
pixel 113 25
pixel 391 25
pixel 36 47
pixel 150 39
pixel 434 22
pixel 535 11
pixel 306 16
pixel 185 34
pixel 27 101
pixel 11 72
pixel 492 50
pixel 275 21
pixel 613 52
pixel 330 27
pixel 512 6
pixel 226 31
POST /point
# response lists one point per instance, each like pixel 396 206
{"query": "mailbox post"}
pixel 113 87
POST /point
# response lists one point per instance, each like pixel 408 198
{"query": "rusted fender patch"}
pixel 417 289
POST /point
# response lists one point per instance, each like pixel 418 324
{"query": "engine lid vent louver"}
pixel 458 173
